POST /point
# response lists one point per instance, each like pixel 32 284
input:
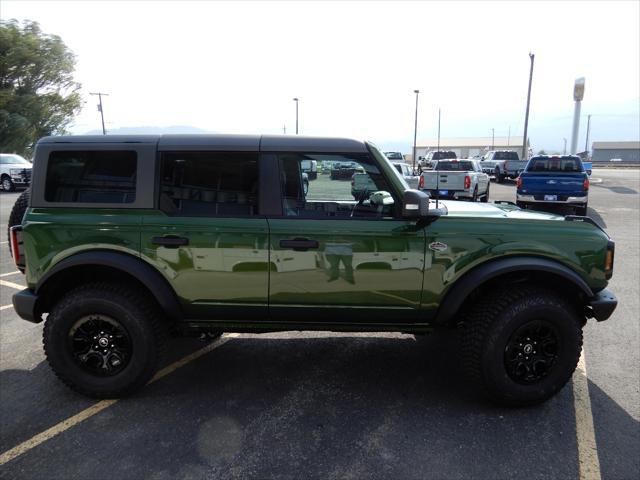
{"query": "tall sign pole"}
pixel 586 141
pixel 578 95
pixel 525 154
pixel 415 131
pixel 100 109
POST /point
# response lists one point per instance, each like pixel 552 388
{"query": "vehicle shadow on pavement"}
pixel 617 436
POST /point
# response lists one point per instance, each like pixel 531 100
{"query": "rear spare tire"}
pixel 17 212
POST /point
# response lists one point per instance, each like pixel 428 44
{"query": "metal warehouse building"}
pixel 468 147
pixel 627 152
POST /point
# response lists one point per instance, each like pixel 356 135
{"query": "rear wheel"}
pixel 485 197
pixel 498 175
pixel 521 346
pixel 104 340
pixel 521 205
pixel 582 210
pixel 474 198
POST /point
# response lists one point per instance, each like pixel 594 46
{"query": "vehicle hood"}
pixel 491 210
pixel 21 166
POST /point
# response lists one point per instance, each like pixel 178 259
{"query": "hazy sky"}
pixel 235 67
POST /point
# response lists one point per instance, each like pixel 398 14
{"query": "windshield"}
pixel 13 160
pixel 443 155
pixel 459 166
pixel 394 177
pixel 394 155
pixel 555 165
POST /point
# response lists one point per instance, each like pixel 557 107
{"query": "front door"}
pixel 340 253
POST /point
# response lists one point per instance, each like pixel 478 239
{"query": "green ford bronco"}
pixel 124 239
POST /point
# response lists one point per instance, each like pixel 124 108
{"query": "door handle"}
pixel 170 241
pixel 299 244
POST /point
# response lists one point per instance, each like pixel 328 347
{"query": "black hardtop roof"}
pixel 265 143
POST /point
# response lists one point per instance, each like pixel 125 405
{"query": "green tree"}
pixel 38 95
pixel 542 152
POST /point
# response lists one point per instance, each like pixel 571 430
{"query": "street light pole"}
pixel 586 142
pixel 415 131
pixel 565 146
pixel 578 95
pixel 493 138
pixel 526 115
pixel 100 109
pixel 296 100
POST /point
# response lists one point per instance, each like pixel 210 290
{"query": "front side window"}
pixel 91 176
pixel 347 185
pixel 209 183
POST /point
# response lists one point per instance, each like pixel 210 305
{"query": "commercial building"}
pixel 468 146
pixel 625 152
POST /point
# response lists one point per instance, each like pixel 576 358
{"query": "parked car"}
pixel 343 170
pixel 456 179
pixel 15 171
pixel 554 180
pixel 310 167
pixel 430 159
pixel 406 172
pixel 502 164
pixel 394 156
pixel 125 238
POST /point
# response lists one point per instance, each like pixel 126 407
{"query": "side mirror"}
pixel 415 204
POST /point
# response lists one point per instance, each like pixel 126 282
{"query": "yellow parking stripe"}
pixel 101 405
pixel 585 434
pixel 5 283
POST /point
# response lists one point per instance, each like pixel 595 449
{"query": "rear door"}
pixel 337 257
pixel 207 236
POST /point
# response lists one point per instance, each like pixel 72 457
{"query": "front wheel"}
pixel 103 340
pixel 521 345
pixel 7 184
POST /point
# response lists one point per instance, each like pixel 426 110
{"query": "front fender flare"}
pixel 471 280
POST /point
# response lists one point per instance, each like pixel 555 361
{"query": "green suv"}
pixel 127 238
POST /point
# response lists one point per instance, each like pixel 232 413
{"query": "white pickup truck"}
pixel 456 179
pixel 15 172
pixel 502 164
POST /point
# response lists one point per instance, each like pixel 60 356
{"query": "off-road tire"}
pixel 489 327
pixel 128 306
pixel 17 212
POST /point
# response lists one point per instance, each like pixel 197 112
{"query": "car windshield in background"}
pixel 555 165
pixel 394 155
pixel 13 160
pixel 443 155
pixel 455 166
pixel 505 156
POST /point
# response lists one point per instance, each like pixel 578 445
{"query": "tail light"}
pixel 519 183
pixel 585 184
pixel 467 182
pixel 608 263
pixel 421 184
pixel 14 238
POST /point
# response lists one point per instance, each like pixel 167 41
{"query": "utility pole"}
pixel 284 129
pixel 493 138
pixel 586 142
pixel 565 146
pixel 578 95
pixel 509 137
pixel 296 100
pixel 438 129
pixel 526 115
pixel 415 131
pixel 100 109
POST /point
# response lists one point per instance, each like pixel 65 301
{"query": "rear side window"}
pixel 106 176
pixel 505 156
pixel 209 183
pixel 455 166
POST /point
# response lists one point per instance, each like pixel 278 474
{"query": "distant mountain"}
pixel 174 129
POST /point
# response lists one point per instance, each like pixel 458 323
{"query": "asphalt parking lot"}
pixel 325 405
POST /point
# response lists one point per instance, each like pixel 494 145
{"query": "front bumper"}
pixel 24 303
pixel 602 305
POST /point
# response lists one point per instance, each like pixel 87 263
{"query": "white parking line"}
pixel 101 405
pixel 585 434
pixel 5 283
pixel 9 273
pixel 4 307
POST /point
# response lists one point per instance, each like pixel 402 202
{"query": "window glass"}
pixel 105 176
pixel 346 186
pixel 463 165
pixel 209 183
pixel 505 156
pixel 557 164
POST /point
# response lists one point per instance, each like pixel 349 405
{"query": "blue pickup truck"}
pixel 554 180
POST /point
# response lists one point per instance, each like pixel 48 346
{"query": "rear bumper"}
pixel 568 200
pixel 602 305
pixel 451 195
pixel 24 303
